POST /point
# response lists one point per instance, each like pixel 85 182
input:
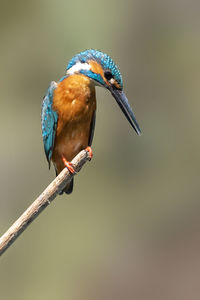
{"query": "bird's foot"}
pixel 68 165
pixel 90 153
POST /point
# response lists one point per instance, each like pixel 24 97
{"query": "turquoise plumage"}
pixel 49 122
pixel 103 59
pixel 68 109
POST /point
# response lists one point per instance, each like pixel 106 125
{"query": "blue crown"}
pixel 104 59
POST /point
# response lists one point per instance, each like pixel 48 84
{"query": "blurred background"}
pixel 131 228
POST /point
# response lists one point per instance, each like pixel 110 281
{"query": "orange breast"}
pixel 75 102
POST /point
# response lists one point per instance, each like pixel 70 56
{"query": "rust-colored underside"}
pixel 75 102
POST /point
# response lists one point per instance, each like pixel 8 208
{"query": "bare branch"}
pixel 41 202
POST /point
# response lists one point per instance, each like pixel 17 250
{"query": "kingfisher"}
pixel 69 108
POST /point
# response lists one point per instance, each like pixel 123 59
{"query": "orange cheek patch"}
pixel 116 84
pixel 97 69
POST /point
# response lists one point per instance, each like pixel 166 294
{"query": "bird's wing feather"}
pixel 92 126
pixel 49 121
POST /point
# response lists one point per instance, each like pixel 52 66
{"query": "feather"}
pixel 49 122
pixel 92 126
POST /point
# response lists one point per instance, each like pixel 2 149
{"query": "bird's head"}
pixel 102 70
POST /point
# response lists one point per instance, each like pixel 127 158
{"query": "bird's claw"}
pixel 90 153
pixel 69 165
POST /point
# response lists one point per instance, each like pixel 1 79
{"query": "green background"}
pixel 135 206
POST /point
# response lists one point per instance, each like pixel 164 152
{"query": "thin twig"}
pixel 41 202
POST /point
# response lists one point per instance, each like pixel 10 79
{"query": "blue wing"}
pixel 49 122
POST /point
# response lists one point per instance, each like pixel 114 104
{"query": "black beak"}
pixel 122 101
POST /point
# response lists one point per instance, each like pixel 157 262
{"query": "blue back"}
pixel 104 59
pixel 49 122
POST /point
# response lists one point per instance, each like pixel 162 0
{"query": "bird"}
pixel 69 108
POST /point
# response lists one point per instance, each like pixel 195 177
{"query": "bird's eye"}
pixel 108 75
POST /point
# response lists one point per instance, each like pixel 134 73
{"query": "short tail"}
pixel 69 188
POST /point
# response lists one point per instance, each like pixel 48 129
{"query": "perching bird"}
pixel 69 106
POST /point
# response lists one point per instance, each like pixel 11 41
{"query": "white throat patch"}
pixel 77 67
